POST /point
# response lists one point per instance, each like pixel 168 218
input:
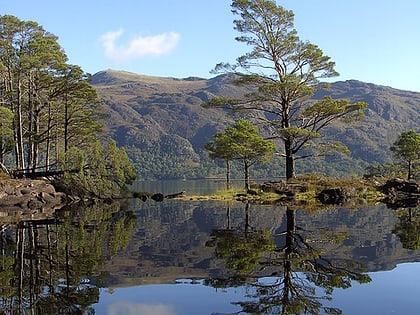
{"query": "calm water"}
pixel 187 257
pixel 191 187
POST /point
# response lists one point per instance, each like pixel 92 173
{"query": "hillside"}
pixel 390 112
pixel 162 124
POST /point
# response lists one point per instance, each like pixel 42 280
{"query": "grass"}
pixel 361 191
pixel 358 187
pixel 223 194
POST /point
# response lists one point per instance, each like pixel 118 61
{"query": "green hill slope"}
pixel 162 124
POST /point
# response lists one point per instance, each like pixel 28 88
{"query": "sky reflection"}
pixel 168 299
pixel 390 292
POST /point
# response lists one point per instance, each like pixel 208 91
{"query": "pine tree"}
pixel 407 149
pixel 241 142
pixel 281 72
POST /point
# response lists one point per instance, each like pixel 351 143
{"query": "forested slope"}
pixel 164 127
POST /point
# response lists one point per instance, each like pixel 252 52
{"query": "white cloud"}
pixel 128 308
pixel 140 46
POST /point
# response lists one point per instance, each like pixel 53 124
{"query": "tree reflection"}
pixel 46 264
pixel 408 229
pixel 292 278
pixel 242 248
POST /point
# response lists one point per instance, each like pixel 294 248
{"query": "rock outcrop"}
pixel 282 188
pixel 401 193
pixel 28 199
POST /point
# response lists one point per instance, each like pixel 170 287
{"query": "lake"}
pixel 208 257
pixel 191 187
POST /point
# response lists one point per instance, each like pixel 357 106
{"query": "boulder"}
pixel 401 194
pixel 398 185
pixel 27 194
pixel 158 197
pixel 282 188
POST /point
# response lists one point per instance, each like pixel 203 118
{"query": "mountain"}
pixel 390 112
pixel 164 128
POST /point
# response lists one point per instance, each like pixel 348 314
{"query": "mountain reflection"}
pixel 296 268
pixel 291 261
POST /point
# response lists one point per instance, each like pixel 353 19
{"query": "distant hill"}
pixel 164 128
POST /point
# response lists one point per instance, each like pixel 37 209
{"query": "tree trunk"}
pixel 288 255
pixel 246 170
pixel 247 225
pixel 35 141
pixel 20 155
pixel 30 112
pixel 290 160
pixel 66 122
pixel 409 171
pixel 20 263
pixel 228 217
pixel 3 168
pixel 1 153
pixel 48 143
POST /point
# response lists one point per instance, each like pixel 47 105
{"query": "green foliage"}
pixel 30 58
pixel 306 277
pixel 408 229
pixel 328 109
pixel 407 149
pixel 409 234
pixel 88 231
pixel 241 142
pixel 53 113
pixel 6 131
pixel 6 277
pixel 220 147
pixel 242 250
pixel 121 231
pixel 281 71
pixel 101 170
pixel 57 258
pixel 155 164
pixel 387 170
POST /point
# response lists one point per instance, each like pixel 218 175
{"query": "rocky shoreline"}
pixel 27 199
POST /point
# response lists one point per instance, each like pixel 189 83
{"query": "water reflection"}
pixel 304 271
pixel 408 229
pixel 46 264
pixel 248 258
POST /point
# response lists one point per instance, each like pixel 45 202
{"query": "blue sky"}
pixel 371 41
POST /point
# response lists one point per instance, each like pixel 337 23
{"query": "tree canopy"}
pixel 48 108
pixel 241 142
pixel 282 72
pixel 6 132
pixel 407 149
